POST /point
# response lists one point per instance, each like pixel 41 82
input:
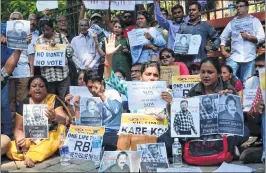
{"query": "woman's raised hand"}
pixel 110 48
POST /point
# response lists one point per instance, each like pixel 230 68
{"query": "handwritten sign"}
pixel 248 98
pixel 182 84
pixel 142 124
pixel 144 2
pixel 85 142
pixel 35 123
pixel 16 33
pixel 187 44
pixel 136 36
pixel 166 73
pixel 123 5
pixel 96 4
pixel 149 94
pixel 79 91
pixel 42 5
pixel 47 55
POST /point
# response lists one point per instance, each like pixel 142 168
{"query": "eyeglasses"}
pixel 240 6
pixel 165 57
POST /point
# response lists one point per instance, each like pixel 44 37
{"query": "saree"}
pixel 45 148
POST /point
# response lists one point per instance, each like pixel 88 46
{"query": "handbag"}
pixel 128 142
pixel 213 150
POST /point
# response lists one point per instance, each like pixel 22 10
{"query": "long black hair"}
pixel 37 77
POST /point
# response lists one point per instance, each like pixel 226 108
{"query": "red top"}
pixel 128 29
pixel 183 68
pixel 239 85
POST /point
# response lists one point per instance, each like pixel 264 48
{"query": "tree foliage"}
pixel 25 7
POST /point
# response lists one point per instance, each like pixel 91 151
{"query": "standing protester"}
pixel 128 21
pixel 143 53
pixel 57 77
pixel 135 72
pixel 171 25
pixel 197 27
pixel 245 32
pixel 62 27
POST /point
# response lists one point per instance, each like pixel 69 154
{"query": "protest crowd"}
pixel 142 82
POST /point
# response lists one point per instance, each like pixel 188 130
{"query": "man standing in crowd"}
pixel 135 72
pixel 62 26
pixel 154 155
pixel 128 22
pixel 171 25
pixel 208 110
pixel 230 112
pixel 197 27
pixel 245 32
pixel 183 122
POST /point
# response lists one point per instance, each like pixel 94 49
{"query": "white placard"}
pixel 79 91
pixel 185 121
pixel 144 2
pixel 142 95
pixel 136 36
pixel 35 122
pixel 248 98
pixel 16 33
pixel 96 4
pixel 187 44
pixel 47 55
pixel 123 5
pixel 42 5
pixel 181 169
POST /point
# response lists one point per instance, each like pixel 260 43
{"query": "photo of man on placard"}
pixel 154 154
pixel 208 109
pixel 120 165
pixel 183 121
pixel 183 45
pixel 18 30
pixel 230 112
pixel 91 112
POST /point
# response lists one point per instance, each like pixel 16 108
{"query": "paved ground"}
pixel 53 165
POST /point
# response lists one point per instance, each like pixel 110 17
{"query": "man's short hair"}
pixel 177 6
pixel 150 145
pixel 229 98
pixel 205 97
pixel 16 12
pixel 195 3
pixel 90 100
pixel 260 57
pixel 183 36
pixel 136 64
pixel 121 153
pixel 122 73
pixel 183 101
pixel 245 1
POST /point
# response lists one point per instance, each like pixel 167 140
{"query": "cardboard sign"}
pixel 166 73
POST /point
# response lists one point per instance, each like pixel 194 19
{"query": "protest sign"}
pixel 16 33
pixel 123 5
pixel 136 36
pixel 42 5
pixel 35 123
pixel 182 84
pixel 142 124
pixel 85 142
pixel 96 29
pixel 248 98
pixel 120 161
pixel 96 4
pixel 230 116
pixel 144 2
pixel 79 91
pixel 185 121
pixel 149 94
pixel 262 83
pixel 187 44
pixel 209 108
pixel 180 169
pixel 166 73
pixel 91 109
pixel 47 55
pixel 153 156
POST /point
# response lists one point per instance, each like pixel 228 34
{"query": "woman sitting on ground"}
pixel 30 150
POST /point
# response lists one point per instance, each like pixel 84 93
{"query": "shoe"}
pixel 251 155
pixel 236 154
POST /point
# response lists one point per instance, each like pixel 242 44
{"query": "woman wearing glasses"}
pixel 155 41
pixel 167 58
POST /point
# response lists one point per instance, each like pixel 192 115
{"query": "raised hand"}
pixel 110 45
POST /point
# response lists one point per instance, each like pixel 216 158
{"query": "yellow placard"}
pixel 166 73
pixel 186 79
pixel 41 47
pixel 133 119
pixel 87 130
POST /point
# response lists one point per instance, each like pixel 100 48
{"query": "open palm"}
pixel 110 45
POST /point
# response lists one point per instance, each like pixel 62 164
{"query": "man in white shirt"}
pixel 245 31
